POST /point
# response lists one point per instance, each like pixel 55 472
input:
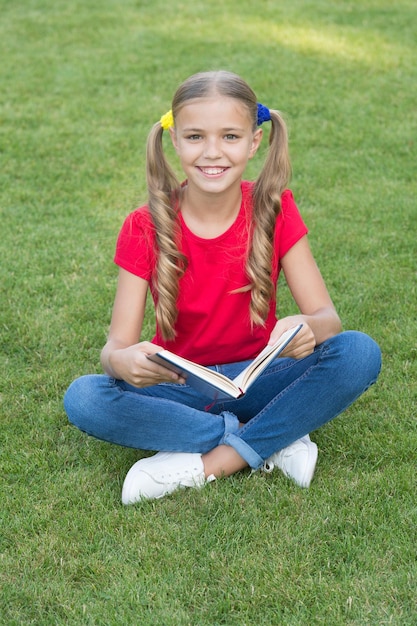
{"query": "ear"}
pixel 173 136
pixel 256 142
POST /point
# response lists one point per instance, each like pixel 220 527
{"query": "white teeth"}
pixel 212 170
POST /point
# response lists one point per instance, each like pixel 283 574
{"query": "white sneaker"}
pixel 297 461
pixel 161 474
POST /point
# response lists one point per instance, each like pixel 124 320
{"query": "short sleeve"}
pixel 135 247
pixel 290 225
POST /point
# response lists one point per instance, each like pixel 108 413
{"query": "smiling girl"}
pixel 210 251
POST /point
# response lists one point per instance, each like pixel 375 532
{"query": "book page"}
pixel 264 358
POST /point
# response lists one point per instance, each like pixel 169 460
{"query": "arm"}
pixel 124 357
pixel 309 291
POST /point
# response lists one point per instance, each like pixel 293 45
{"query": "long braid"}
pixel 163 190
pixel 267 192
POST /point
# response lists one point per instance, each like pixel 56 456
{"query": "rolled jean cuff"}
pixel 247 453
pixel 231 423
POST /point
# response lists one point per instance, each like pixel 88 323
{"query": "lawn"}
pixel 81 85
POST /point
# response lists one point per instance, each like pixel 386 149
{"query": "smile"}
pixel 213 171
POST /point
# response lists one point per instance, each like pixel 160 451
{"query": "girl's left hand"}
pixel 304 341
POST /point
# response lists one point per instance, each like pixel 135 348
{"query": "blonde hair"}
pixel 164 193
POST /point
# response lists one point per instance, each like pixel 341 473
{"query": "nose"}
pixel 212 148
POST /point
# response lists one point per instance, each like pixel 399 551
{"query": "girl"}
pixel 210 251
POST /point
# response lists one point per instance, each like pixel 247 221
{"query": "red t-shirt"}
pixel 213 324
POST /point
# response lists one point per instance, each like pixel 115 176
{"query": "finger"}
pixel 162 374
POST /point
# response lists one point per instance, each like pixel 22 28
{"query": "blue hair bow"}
pixel 264 114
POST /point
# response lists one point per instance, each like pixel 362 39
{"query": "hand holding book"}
pixel 216 385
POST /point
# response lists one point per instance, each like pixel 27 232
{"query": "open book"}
pixel 216 385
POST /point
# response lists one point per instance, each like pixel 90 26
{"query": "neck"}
pixel 211 205
pixel 209 215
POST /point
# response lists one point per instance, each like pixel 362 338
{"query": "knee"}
pixel 78 399
pixel 363 353
pixel 367 350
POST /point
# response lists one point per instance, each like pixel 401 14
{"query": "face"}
pixel 214 139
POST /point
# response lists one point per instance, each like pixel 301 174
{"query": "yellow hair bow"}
pixel 167 120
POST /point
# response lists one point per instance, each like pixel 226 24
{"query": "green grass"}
pixel 81 84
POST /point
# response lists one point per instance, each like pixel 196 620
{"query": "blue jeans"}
pixel 289 400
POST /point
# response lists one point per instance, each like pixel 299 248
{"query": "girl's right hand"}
pixel 132 365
